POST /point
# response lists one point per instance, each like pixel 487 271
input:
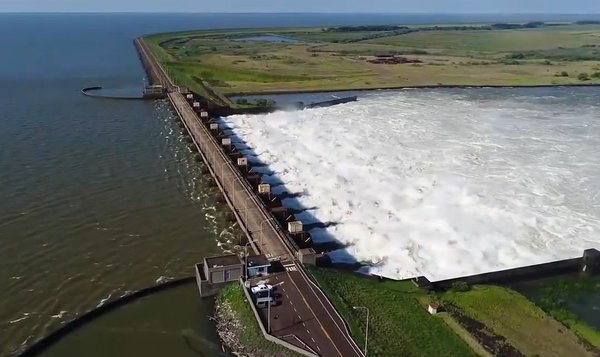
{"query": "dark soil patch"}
pixel 495 344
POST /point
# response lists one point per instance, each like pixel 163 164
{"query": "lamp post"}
pixel 367 330
pixel 246 260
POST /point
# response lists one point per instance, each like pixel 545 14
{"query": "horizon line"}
pixel 303 12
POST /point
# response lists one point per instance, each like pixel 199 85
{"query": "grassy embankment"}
pixel 573 301
pixel 511 315
pixel 250 335
pixel 217 65
pixel 399 322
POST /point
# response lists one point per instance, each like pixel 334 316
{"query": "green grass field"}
pixel 399 322
pixel 523 324
pixel 325 60
pixel 574 301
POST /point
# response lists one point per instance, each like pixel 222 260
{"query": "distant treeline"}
pixel 406 29
pixel 366 28
pixel 588 22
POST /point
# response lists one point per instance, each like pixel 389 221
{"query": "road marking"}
pixel 295 310
pixel 303 324
pixel 318 348
pixel 315 315
pixel 313 340
pixel 307 330
pixel 345 334
pixel 300 317
pixel 291 268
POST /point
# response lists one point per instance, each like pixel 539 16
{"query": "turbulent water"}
pixel 442 183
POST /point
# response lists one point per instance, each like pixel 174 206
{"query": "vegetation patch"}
pixel 399 323
pixel 219 63
pixel 494 344
pixel 523 325
pixel 238 329
pixel 575 302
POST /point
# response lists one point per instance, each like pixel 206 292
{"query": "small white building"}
pixel 258 265
pixel 433 308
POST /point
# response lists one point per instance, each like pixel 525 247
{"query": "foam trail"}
pixel 441 183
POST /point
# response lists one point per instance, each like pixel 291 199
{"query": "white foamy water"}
pixel 441 184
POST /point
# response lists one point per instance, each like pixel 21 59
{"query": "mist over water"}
pixel 444 183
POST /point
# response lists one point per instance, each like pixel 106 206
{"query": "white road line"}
pixel 303 324
pixel 295 310
pixel 313 340
pixel 318 348
pixel 300 317
pixel 345 332
pixel 307 330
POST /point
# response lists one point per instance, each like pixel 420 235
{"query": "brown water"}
pixel 169 323
pixel 97 197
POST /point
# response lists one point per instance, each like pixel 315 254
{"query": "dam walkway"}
pixel 306 318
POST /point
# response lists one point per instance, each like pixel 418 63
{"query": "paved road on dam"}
pixel 305 317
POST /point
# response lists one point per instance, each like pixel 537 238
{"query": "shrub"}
pixel 460 286
pixel 583 77
pixel 596 75
pixel 517 55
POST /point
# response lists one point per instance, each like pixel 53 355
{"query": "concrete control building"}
pixel 214 272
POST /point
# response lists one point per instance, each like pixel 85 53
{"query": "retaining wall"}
pixel 264 331
pixel 42 345
pixel 591 257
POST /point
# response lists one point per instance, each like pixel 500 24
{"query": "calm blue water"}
pixel 100 197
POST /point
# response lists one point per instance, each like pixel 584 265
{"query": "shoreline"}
pixel 445 86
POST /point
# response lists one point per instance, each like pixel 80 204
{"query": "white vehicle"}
pixel 263 302
pixel 260 288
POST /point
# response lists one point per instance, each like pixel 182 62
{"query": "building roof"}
pixel 258 260
pixel 222 260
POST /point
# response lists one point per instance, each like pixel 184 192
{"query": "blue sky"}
pixel 383 6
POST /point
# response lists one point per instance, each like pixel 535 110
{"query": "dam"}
pixel 270 229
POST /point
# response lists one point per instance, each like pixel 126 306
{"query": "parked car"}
pixel 261 288
pixel 263 302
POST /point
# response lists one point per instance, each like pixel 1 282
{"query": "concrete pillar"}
pixel 591 261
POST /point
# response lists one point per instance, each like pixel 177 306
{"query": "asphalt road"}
pixel 304 317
